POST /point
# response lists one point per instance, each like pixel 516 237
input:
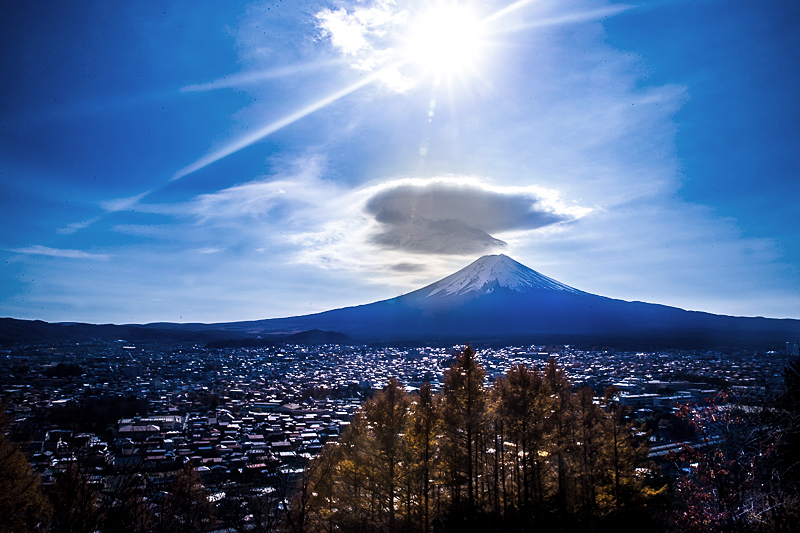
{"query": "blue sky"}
pixel 219 161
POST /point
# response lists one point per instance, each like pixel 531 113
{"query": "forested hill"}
pixel 13 331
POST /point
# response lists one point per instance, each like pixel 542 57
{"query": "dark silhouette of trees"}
pixel 22 506
pixel 186 508
pixel 739 477
pixel 618 431
pixel 81 504
pixel 97 414
pixel 64 370
pixel 75 501
pixel 125 507
pixel 789 449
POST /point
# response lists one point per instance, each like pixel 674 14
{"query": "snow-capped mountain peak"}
pixel 494 271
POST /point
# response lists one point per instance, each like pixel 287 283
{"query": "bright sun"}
pixel 444 40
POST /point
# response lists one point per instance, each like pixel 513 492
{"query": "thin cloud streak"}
pixel 109 206
pixel 581 16
pixel 252 77
pixel 122 204
pixel 259 134
pixel 506 10
pixel 38 249
pixel 75 226
pixel 114 205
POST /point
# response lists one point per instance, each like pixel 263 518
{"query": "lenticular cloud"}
pixel 457 216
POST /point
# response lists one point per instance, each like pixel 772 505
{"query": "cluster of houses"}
pixel 237 414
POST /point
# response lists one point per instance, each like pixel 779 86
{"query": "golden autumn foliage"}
pixel 526 449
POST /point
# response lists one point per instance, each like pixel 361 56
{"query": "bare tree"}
pixel 186 508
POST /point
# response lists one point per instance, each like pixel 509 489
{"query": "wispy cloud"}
pixel 269 199
pixel 58 252
pixel 109 206
pixel 672 253
pixel 76 226
pixel 254 77
pixel 345 30
pixel 356 30
pixel 366 36
pixel 566 18
pixel 122 204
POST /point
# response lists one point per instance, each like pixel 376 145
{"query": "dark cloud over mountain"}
pixel 421 235
pixel 453 218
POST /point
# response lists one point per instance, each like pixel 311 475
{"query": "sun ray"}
pixel 444 42
pixel 272 127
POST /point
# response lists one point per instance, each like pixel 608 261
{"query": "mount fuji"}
pixel 497 299
pixel 493 300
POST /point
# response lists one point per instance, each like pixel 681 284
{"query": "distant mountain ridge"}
pixel 496 299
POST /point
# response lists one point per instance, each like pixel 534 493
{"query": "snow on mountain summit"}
pixel 493 271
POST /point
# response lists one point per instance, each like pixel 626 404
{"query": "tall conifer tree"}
pixel 463 416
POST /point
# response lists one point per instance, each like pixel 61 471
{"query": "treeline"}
pixel 64 370
pixel 527 450
pixel 97 413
